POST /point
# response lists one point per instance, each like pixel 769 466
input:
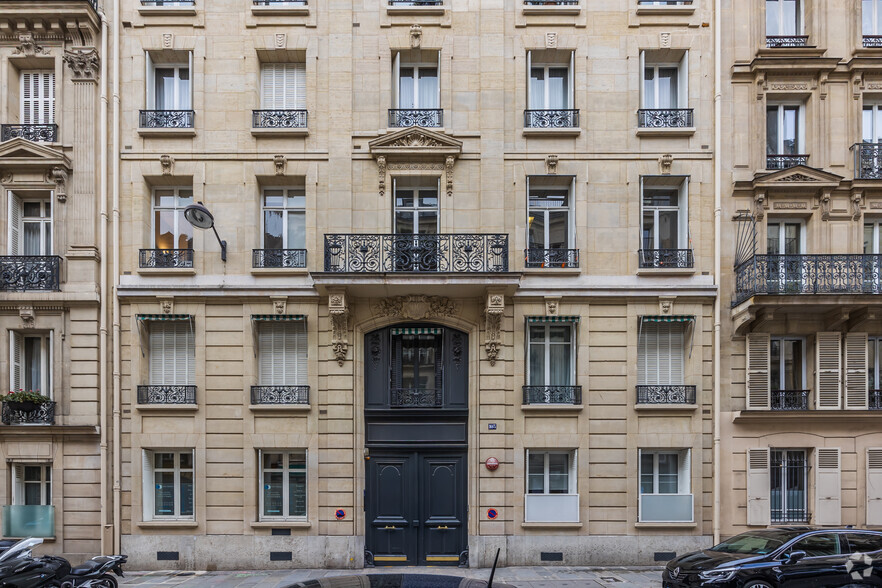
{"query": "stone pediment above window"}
pixel 415 143
pixel 800 177
pixel 33 165
pixel 797 190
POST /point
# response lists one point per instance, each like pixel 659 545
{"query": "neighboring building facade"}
pixel 800 355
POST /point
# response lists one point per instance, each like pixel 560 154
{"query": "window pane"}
pixel 296 230
pixel 164 227
pixel 183 89
pixel 789 17
pixel 559 334
pixel 537 88
pixel 33 363
pixel 558 230
pixel 557 88
pixel 164 198
pixel 272 494
pixel 164 493
pixel 32 209
pixel 428 220
pixel 668 229
pixel 186 461
pixel 649 230
pixel 868 238
pixel 186 494
pixel 867 20
pixel 772 147
pixel 428 87
pixel 185 232
pixel 790 130
pixel 296 199
pixel 559 365
pixel 536 473
pixel 775 364
pixel 297 493
pixel 165 88
pixel 872 374
pixel 668 464
pixel 33 494
pixel 537 365
pixel 164 460
pixel 272 229
pixel 32 473
pixel 818 545
pixel 536 221
pixel 667 87
pixel 792 238
pixel 646 473
pixel 406 88
pixel 649 87
pixel 273 461
pixel 558 473
pixel 404 222
pixel 793 365
pixel 425 367
pixel 869 136
pixel 273 198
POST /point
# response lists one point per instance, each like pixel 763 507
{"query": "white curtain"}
pixel 428 94
pixel 406 88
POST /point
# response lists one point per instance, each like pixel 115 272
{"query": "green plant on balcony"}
pixel 25 400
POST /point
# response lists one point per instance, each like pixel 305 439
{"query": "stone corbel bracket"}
pixel 58 175
pixel 493 317
pixel 338 310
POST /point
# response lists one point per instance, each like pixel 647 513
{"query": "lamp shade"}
pixel 198 216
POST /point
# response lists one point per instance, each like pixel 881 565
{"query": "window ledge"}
pixel 167 10
pixel 280 10
pixel 552 10
pixel 540 525
pixel 665 131
pixel 280 132
pixel 167 271
pixel 168 524
pixel 827 416
pixel 45 539
pixel 281 524
pixel 672 525
pixel 556 271
pixel 167 132
pixel 552 407
pixel 433 129
pixel 651 407
pixel 559 132
pixel 280 407
pixel 284 271
pixel 806 51
pixel 666 271
pixel 659 10
pixel 167 407
pixel 415 10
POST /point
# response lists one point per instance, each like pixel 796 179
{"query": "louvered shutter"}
pixel 758 389
pixel 37 97
pixel 13 245
pixel 147 484
pixel 299 352
pixel 297 73
pixel 642 358
pixel 268 87
pixel 266 359
pixel 571 74
pixel 18 487
pixel 158 359
pixel 758 487
pixel 642 89
pixel 185 352
pixel 828 346
pixel 172 354
pixel 16 361
pixel 150 77
pixel 856 371
pixel 874 486
pixel 828 487
pixel 396 78
pixel 529 80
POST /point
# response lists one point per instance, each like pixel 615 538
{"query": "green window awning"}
pixel 165 317
pixel 417 331
pixel 278 317
pixel 554 319
pixel 674 318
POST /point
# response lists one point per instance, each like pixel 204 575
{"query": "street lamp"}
pixel 198 216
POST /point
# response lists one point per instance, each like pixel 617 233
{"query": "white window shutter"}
pixel 265 355
pixel 856 396
pixel 150 76
pixel 13 245
pixel 828 354
pixel 683 81
pixel 874 486
pixel 50 342
pixel 642 79
pixel 47 84
pixel 299 82
pixel 18 489
pixel 642 356
pixel 529 77
pixel 757 376
pixel 758 487
pixel 571 73
pixel 396 78
pixel 828 487
pixel 28 114
pixel 684 475
pixel 147 497
pixel 676 354
pixel 300 354
pixel 438 85
pixel 267 87
pixel 190 86
pixel 185 352
pixel 16 361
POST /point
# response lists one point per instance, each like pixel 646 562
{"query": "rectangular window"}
pixel 872 123
pixel 284 218
pixel 416 361
pixel 551 355
pixel 168 484
pixel 418 86
pixel 665 485
pixel 664 216
pixel 664 84
pixel 416 206
pixel 787 365
pixel 172 354
pixel 172 87
pixel 548 213
pixel 871 17
pixel 282 353
pixel 785 129
pixel 550 85
pixel 283 86
pixel 788 486
pixel 283 479
pixel 661 354
pixel 32 484
pixel 31 360
pixel 30 225
pixel 37 97
pixel 551 493
pixel 783 18
pixel 170 229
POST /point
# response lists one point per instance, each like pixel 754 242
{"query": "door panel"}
pixel 390 506
pixel 443 491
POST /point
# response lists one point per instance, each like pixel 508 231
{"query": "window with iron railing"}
pixel 788 477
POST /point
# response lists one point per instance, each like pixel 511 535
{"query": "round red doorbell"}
pixel 492 463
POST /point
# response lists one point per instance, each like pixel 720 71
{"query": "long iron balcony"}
pixel 408 253
pixel 416 117
pixel 166 119
pixel 666 258
pixel 28 413
pixel 20 273
pixel 551 119
pixel 35 133
pixel 670 118
pixel 665 394
pixel 790 399
pixel 867 161
pixel 808 274
pixel 279 119
pixel 552 394
pixel 166 394
pixel 276 395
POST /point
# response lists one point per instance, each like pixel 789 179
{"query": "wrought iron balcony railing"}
pixel 808 274
pixel 19 273
pixel 781 41
pixel 790 399
pixel 539 258
pixel 551 2
pixel 666 258
pixel 552 394
pixel 416 2
pixel 271 258
pixel 166 394
pixel 35 133
pixel 28 413
pixel 279 394
pixel 280 3
pixel 785 161
pixel 407 253
pixel 790 515
pixel 867 160
pixel 665 394
pixel 416 398
pixel 166 119
pixel 874 399
pixel 278 119
pixel 416 117
pixel 551 119
pixel 872 41
pixel 670 118
pixel 166 258
pixel 167 2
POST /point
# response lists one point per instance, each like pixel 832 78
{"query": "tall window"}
pixel 783 18
pixel 418 86
pixel 30 360
pixel 168 484
pixel 37 97
pixel 551 472
pixel 788 485
pixel 872 123
pixel 784 238
pixel 551 350
pixel 282 353
pixel 784 241
pixel 283 479
pixel 416 360
pixel 172 354
pixel 664 218
pixel 872 237
pixel 30 225
pixel 549 87
pixel 32 484
pixel 784 129
pixel 283 86
pixel 284 218
pixel 787 369
pixel 170 229
pixel 172 87
pixel 548 214
pixel 416 206
pixel 665 485
pixel 871 17
pixel 661 354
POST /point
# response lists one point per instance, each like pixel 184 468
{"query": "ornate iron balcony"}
pixel 551 2
pixel 416 398
pixel 538 258
pixel 35 133
pixel 790 399
pixel 167 2
pixel 416 117
pixel 781 41
pixel 664 394
pixel 278 2
pixel 666 258
pixel 874 398
pixel 808 274
pixel 278 119
pixel 872 41
pixel 279 394
pixel 166 258
pixel 670 118
pixel 166 119
pixel 551 119
pixel 415 3
pixel 166 394
pixel 867 160
pixel 28 413
pixel 552 394
pixel 263 258
pixel 785 161
pixel 458 253
pixel 19 273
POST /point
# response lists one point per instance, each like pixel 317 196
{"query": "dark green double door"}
pixel 415 506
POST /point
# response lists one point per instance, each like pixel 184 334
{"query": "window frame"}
pixel 800 126
pixel 286 506
pixel 177 209
pixel 783 362
pixel 784 495
pixel 416 208
pixel 397 65
pixel 643 358
pixel 150 495
pixel 875 110
pixel 647 61
pixel 17 358
pixel 569 65
pixel 876 239
pixel 684 457
pixel 150 81
pixel 874 362
pixel 546 344
pixel 876 18
pixel 286 211
pixel 682 209
pixel 294 73
pixel 799 25
pixel 397 363
pixel 572 474
pixel 15 243
pixel 548 183
pixel 301 346
pixel 20 483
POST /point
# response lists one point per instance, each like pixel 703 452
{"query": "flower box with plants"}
pixel 25 400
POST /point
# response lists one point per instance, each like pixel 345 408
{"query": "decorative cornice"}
pixel 84 63
pixel 416 307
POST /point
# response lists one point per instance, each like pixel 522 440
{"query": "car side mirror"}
pixel 793 557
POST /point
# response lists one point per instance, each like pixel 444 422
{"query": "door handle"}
pixel 442 527
pixel 393 527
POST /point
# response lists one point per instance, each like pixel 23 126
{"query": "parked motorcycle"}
pixel 19 569
pixel 95 573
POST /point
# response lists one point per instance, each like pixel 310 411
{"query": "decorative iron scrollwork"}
pixel 166 119
pixel 416 117
pixel 18 413
pixel 785 161
pixel 790 399
pixel 270 258
pixel 415 398
pixel 782 41
pixel 166 258
pixel 666 258
pixel 657 394
pixel 868 160
pixel 19 273
pixel 166 394
pixel 551 119
pixel 552 394
pixel 560 258
pixel 35 133
pixel 279 394
pixel 670 118
pixel 279 119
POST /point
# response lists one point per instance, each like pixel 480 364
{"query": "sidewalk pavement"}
pixel 526 577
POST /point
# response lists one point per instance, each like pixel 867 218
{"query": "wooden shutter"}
pixel 660 354
pixel 874 486
pixel 185 354
pixel 642 79
pixel 828 357
pixel 529 79
pixel 266 361
pixel 37 97
pixel 16 361
pixel 13 245
pixel 299 351
pixel 571 73
pixel 157 354
pixel 298 81
pixel 758 383
pixel 147 484
pixel 172 354
pixel 758 487
pixel 683 81
pixel 856 371
pixel 828 485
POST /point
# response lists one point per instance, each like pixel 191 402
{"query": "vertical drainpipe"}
pixel 718 199
pixel 102 255
pixel 117 458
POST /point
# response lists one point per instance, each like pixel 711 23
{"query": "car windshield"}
pixel 752 543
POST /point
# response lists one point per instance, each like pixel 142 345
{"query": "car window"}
pixel 863 542
pixel 759 544
pixel 818 545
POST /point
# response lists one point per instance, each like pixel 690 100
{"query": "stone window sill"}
pixel 167 10
pixel 538 525
pixel 552 10
pixel 168 407
pixel 280 407
pixel 665 131
pixel 415 10
pixel 167 132
pixel 168 524
pixel 280 10
pixel 561 132
pixel 283 132
pixel 552 407
pixel 659 10
pixel 660 407
pixel 687 525
pixel 280 271
pixel 167 271
pixel 556 271
pixel 281 524
pixel 666 271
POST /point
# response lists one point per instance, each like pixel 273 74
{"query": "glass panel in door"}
pixel 786 271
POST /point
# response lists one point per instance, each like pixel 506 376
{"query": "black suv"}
pixel 785 557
